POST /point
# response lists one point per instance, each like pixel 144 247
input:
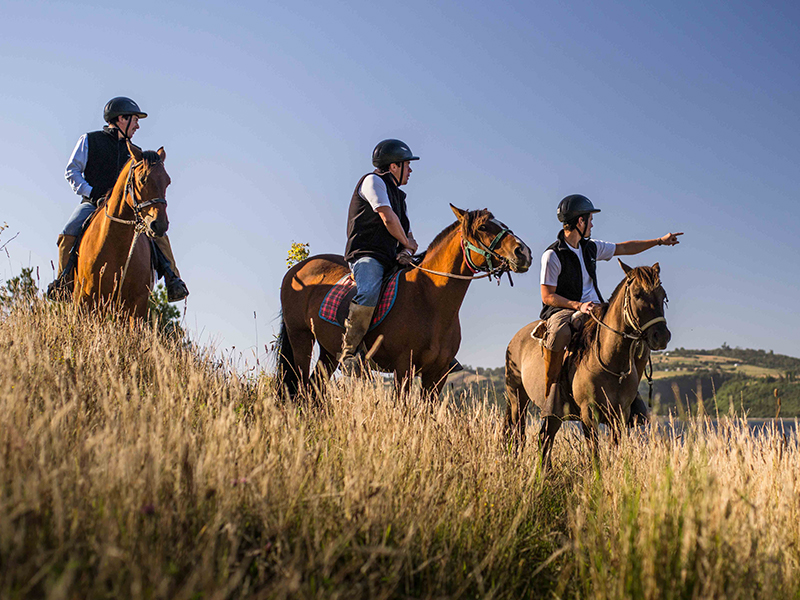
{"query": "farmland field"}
pixel 137 466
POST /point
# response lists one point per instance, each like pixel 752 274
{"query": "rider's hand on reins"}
pixel 404 258
pixel 587 307
pixel 670 239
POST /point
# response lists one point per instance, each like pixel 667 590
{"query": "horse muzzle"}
pixel 522 258
pixel 157 227
pixel 658 337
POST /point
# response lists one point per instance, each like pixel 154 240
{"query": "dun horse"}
pixel 114 260
pixel 605 365
pixel 422 332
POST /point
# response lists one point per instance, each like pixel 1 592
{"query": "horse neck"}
pixel 120 234
pixel 116 205
pixel 614 349
pixel 445 257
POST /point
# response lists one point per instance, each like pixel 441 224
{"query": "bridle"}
pixel 488 252
pixel 638 337
pixel 138 221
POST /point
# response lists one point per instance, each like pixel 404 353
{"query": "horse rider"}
pixel 92 171
pixel 378 235
pixel 569 283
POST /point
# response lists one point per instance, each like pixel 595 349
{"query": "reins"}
pixel 487 252
pixel 637 344
pixel 138 222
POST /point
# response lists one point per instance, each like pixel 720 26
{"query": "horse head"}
pixel 489 245
pixel 644 303
pixel 147 189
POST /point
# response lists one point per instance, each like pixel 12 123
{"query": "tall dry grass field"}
pixel 132 466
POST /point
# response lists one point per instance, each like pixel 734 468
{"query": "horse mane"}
pixel 151 157
pixel 472 220
pixel 645 276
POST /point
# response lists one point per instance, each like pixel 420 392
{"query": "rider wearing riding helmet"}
pixel 378 235
pixel 95 164
pixel 569 282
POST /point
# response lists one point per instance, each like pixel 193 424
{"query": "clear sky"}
pixel 679 116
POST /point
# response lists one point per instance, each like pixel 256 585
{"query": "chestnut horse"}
pixel 114 260
pixel 605 367
pixel 422 333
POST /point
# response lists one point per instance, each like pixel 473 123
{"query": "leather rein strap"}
pixel 636 347
pixel 487 252
pixel 138 221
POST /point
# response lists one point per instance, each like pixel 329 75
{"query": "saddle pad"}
pixel 336 305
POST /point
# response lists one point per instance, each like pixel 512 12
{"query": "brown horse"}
pixel 422 332
pixel 114 260
pixel 605 365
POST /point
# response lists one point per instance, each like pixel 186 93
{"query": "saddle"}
pixel 336 305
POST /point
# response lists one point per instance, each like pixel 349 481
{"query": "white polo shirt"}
pixel 551 268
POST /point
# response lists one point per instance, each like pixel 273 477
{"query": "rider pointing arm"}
pixel 569 280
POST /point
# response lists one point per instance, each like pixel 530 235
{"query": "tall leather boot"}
pixel 176 288
pixel 552 361
pixel 355 328
pixel 61 288
pixel 65 243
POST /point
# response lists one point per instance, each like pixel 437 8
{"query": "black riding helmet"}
pixel 121 106
pixel 575 206
pixel 391 151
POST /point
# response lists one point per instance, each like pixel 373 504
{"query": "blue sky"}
pixel 670 117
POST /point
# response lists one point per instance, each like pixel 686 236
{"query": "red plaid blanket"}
pixel 336 305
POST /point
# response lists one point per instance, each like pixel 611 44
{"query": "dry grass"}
pixel 134 467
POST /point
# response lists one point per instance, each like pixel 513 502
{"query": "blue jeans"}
pixel 82 212
pixel 368 273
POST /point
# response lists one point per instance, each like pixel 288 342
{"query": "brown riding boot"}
pixel 65 243
pixel 61 287
pixel 355 328
pixel 552 362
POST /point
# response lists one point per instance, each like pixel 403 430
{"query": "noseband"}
pixel 488 252
pixel 637 345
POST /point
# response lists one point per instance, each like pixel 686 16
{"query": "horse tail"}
pixel 288 381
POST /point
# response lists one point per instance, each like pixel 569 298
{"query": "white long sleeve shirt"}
pixel 76 166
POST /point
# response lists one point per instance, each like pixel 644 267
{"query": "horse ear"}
pixel 458 212
pixel 136 152
pixel 656 269
pixel 162 154
pixel 625 267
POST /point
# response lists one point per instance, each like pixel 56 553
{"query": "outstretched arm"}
pixel 637 246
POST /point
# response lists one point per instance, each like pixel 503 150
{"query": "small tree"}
pixel 19 289
pixel 165 316
pixel 297 253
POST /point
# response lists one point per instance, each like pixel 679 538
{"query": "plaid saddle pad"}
pixel 336 305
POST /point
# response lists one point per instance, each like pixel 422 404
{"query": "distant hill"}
pixel 719 379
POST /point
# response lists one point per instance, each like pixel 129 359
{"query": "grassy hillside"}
pixel 132 466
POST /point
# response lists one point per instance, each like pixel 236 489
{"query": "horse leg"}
pixel 302 343
pixel 432 387
pixel 325 367
pixel 547 434
pixel 517 400
pixel 590 430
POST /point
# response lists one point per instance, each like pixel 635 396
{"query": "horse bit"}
pixel 138 222
pixel 487 252
pixel 637 345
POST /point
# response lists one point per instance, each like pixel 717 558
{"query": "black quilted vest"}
pixel 570 280
pixel 366 233
pixel 107 156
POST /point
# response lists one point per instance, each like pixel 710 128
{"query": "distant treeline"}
pixel 758 358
